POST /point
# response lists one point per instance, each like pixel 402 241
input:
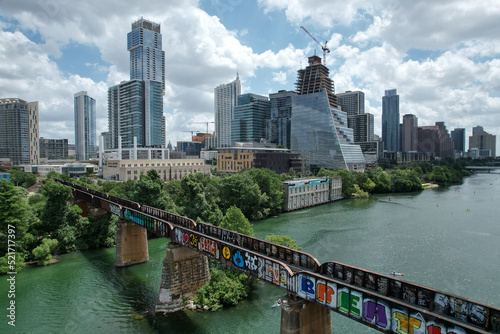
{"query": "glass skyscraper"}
pixel 225 99
pixel 19 131
pixel 85 127
pixel 278 125
pixel 135 107
pixel 147 60
pixel 249 122
pixel 320 134
pixel 390 120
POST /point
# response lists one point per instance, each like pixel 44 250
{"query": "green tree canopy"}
pixel 234 220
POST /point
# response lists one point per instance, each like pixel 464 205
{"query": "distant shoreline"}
pixel 430 185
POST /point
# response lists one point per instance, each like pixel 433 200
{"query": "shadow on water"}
pixel 138 287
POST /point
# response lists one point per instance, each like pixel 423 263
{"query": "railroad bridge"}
pixel 313 289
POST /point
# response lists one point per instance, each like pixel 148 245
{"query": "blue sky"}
pixel 442 57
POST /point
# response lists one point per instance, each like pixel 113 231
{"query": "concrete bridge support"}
pixel 184 272
pixel 131 244
pixel 303 317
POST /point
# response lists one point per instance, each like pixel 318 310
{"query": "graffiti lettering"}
pixel 350 301
pixel 134 217
pixel 377 313
pixel 115 209
pixel 209 246
pixel 251 261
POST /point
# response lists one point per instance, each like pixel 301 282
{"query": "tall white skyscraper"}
pixel 85 127
pixel 225 99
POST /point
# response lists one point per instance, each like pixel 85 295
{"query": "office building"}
pixel 435 138
pixel 409 136
pixel 85 127
pixel 168 169
pixel 320 134
pixel 390 120
pixel 278 125
pixel 53 149
pixel 256 155
pixel 249 118
pixel 225 99
pixel 482 141
pixel 458 138
pixel 135 107
pixel 314 79
pixel 19 131
pixel 353 103
pixel 147 60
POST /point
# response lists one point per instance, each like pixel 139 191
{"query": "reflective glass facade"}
pixel 321 135
pixel 147 60
pixel 278 125
pixel 390 120
pixel 249 123
pixel 85 127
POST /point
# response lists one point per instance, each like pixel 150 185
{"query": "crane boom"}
pixel 323 47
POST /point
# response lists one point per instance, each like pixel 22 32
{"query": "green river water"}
pixel 447 239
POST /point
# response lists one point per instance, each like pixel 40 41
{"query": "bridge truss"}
pixel 383 302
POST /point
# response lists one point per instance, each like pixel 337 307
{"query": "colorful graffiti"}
pixel 380 301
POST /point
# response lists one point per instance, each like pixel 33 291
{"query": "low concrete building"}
pixel 71 169
pixel 168 169
pixel 308 192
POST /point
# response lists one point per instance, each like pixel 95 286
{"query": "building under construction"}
pixel 314 78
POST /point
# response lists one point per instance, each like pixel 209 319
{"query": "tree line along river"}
pixel 444 238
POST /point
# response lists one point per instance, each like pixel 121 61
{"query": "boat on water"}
pixel 393 273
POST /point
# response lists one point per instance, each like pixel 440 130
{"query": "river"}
pixel 445 238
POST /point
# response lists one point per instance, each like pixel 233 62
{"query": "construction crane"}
pixel 204 123
pixel 323 47
pixel 192 133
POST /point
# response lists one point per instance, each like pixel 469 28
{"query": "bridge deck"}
pixel 380 301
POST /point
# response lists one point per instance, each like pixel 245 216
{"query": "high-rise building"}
pixel 147 60
pixel 135 107
pixel 85 127
pixel 390 120
pixel 435 138
pixel 53 149
pixel 482 141
pixel 458 138
pixel 249 121
pixel 225 99
pixel 353 103
pixel 278 124
pixel 314 78
pixel 19 139
pixel 320 134
pixel 410 133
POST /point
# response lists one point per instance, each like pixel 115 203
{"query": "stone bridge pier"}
pixel 131 244
pixel 299 316
pixel 184 272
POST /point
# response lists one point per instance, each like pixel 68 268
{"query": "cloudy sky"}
pixel 441 56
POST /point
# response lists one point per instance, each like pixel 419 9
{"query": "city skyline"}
pixel 441 74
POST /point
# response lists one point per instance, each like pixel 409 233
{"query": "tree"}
pixel 283 240
pixel 240 190
pixel 270 184
pixel 150 190
pixel 234 220
pixel 44 252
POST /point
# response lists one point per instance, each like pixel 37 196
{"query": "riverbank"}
pixel 429 185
